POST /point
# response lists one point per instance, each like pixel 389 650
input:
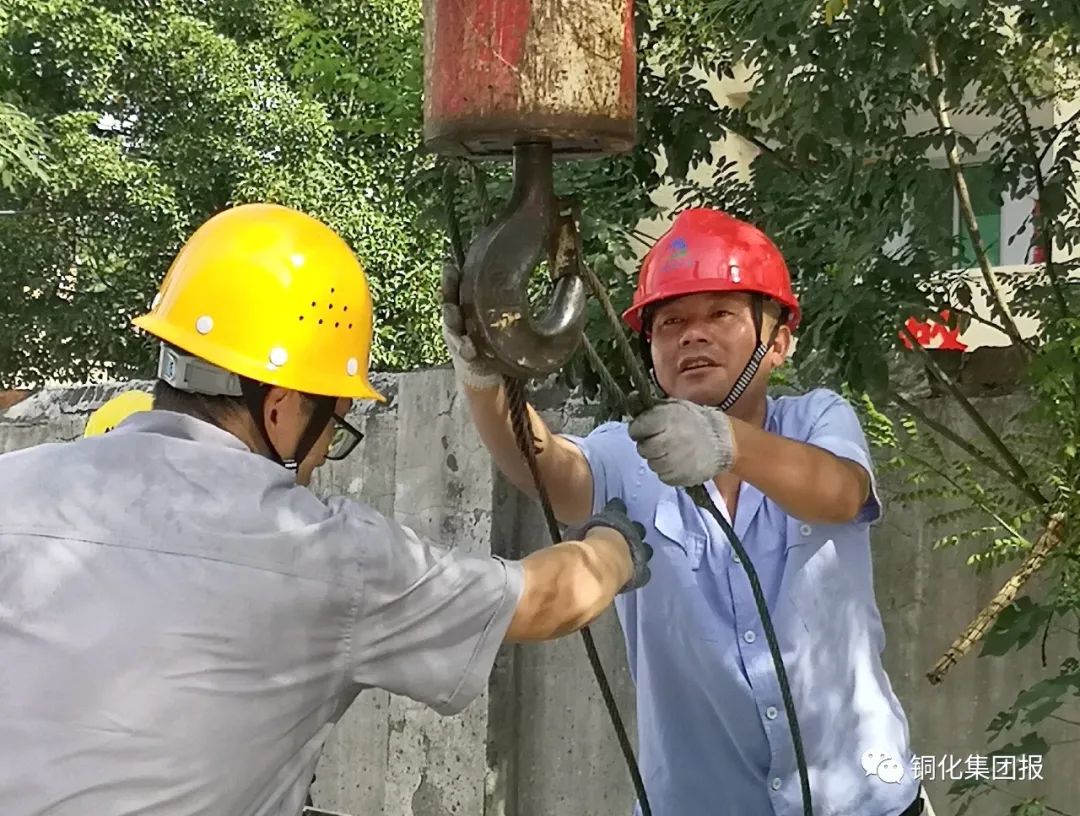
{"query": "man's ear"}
pixel 781 346
pixel 276 400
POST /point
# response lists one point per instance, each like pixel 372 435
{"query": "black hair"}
pixel 213 409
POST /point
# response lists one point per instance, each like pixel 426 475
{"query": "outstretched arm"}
pixel 428 621
pixel 808 482
pixel 688 444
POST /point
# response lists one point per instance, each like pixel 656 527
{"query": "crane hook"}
pixel 494 283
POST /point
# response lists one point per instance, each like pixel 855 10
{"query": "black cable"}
pixel 515 394
pixel 701 498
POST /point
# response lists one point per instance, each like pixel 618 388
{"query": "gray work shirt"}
pixel 181 624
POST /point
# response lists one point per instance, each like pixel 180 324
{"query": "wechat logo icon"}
pixel 883 766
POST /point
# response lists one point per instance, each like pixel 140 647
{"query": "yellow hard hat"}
pixel 271 294
pixel 116 410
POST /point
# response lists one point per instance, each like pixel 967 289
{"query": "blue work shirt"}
pixel 713 734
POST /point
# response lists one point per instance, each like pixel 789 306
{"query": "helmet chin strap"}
pixel 745 378
pixel 750 370
pixel 254 394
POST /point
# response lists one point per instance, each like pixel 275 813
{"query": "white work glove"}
pixel 469 366
pixel 685 444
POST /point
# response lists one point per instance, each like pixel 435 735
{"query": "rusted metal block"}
pixel 500 72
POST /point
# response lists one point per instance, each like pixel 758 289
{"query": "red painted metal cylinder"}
pixel 497 72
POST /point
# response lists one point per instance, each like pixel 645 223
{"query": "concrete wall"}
pixel 539 742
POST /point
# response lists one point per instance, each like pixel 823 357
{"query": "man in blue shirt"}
pixel 715 312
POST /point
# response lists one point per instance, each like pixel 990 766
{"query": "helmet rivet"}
pixel 352 366
pixel 204 324
pixel 278 357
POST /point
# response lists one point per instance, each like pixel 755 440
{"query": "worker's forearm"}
pixel 564 471
pixel 808 482
pixel 490 411
pixel 569 585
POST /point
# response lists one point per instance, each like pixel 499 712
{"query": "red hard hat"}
pixel 710 251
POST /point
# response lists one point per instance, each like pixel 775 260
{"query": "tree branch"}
pixel 941 112
pixel 642 238
pixel 352 90
pixel 482 199
pixel 976 318
pixel 1057 135
pixel 991 435
pixel 453 224
pixel 1045 238
pixel 1045 636
pixel 1050 538
pixel 1065 742
pixel 970 449
pixel 760 144
pixel 1017 797
pixel 974 500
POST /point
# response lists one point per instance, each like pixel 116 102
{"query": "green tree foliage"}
pixel 21 147
pixel 153 116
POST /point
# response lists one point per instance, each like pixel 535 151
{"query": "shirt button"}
pixel 749 637
pixel 776 783
pixel 806 529
pixel 771 712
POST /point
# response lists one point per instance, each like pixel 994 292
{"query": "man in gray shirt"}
pixel 182 620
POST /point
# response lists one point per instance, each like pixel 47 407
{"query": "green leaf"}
pixel 806 147
pixel 1052 201
pixel 1045 697
pixel 1015 627
pixel 1030 744
pixel 1030 808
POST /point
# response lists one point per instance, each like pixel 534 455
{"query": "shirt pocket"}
pixel 682 529
pixel 688 603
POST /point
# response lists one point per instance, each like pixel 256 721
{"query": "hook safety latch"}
pixel 494 292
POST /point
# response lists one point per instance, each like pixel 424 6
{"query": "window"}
pixel 939 200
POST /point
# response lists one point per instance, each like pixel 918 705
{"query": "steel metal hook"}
pixel 494 293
